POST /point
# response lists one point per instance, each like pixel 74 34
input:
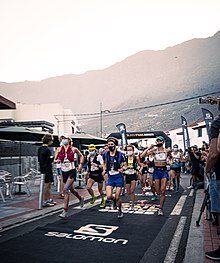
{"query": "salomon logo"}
pixel 96 230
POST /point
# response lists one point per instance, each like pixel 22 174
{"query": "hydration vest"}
pixel 69 154
pixel 116 162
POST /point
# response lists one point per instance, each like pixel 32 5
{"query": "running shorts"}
pixel 115 181
pixel 70 174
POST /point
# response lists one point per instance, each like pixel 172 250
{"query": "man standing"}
pixel 45 160
pixel 113 167
pixel 195 157
pixel 212 171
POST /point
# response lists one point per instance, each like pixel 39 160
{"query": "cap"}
pixel 113 139
pixel 195 146
pixel 92 147
pixel 161 138
pixel 65 136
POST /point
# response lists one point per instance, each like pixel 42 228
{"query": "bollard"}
pixel 41 191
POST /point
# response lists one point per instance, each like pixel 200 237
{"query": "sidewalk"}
pixel 23 208
pixel 201 238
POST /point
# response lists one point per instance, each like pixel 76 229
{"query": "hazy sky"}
pixel 46 38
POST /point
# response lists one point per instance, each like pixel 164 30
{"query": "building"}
pixel 197 134
pixel 51 117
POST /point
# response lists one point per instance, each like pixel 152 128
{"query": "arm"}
pixel 218 147
pixel 81 160
pixel 212 156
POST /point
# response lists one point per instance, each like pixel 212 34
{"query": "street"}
pixel 97 235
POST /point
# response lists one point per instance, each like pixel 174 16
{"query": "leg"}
pixel 117 197
pixel 163 192
pixel 90 183
pixel 132 191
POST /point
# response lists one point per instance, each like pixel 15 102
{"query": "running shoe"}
pixel 102 205
pixel 154 198
pixel 214 255
pixel 120 214
pixel 114 204
pixel 169 188
pixel 93 200
pixel 160 212
pixel 177 189
pixel 81 202
pixel 174 187
pixel 47 204
pixel 62 196
pixel 132 206
pixel 63 214
pixel 51 201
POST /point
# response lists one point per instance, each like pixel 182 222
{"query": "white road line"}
pixel 179 206
pixel 173 249
pixel 191 192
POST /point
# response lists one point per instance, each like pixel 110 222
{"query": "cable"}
pixel 116 112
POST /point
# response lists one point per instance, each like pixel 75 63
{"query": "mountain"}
pixel 149 77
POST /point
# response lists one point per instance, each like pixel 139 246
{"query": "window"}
pixel 199 132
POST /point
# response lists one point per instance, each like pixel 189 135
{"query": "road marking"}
pixel 191 192
pixel 173 249
pixel 179 206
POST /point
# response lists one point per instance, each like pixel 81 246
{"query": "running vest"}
pixel 132 165
pixel 160 157
pixel 113 162
pixel 176 160
pixel 66 158
pixel 94 170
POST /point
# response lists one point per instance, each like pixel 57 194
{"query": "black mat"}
pixel 116 240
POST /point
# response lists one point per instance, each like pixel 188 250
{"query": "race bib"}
pixel 130 171
pixel 67 166
pixel 113 172
pixel 150 169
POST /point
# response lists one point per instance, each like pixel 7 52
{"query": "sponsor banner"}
pixel 208 118
pixel 186 140
pixel 122 129
pixel 91 232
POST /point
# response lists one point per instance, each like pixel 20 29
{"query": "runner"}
pixel 113 167
pixel 148 168
pixel 160 169
pixel 176 167
pixel 131 173
pixel 94 169
pixel 65 155
pixel 143 171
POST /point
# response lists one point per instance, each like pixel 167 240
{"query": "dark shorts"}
pixel 48 178
pixel 160 173
pixel 115 181
pixel 176 169
pixel 70 174
pixel 130 177
pixel 97 178
pixel 144 170
pixel 195 171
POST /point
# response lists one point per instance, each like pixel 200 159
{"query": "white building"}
pixel 197 134
pixel 63 119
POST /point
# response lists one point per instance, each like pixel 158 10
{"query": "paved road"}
pixel 94 235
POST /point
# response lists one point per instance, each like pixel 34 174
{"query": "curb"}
pixel 195 243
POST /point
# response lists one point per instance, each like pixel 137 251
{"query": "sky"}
pixel 47 38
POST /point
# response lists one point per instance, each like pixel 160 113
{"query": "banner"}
pixel 122 129
pixel 208 118
pixel 186 141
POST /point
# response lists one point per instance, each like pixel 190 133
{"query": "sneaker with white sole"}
pixel 120 214
pixel 160 212
pixel 63 214
pixel 81 202
pixel 213 255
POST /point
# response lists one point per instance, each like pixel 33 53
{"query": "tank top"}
pixel 176 160
pixel 160 157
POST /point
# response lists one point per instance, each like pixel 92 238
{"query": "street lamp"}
pixel 101 116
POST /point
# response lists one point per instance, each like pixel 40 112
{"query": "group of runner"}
pixel 112 168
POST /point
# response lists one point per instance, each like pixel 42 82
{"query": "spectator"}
pixel 212 171
pixel 45 159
